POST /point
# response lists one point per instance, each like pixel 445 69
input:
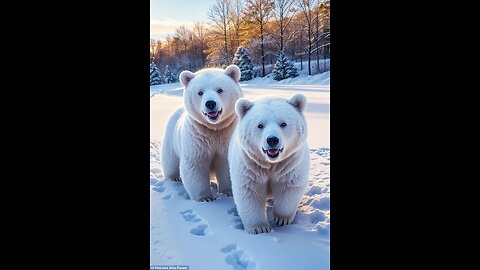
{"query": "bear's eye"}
pixel 283 124
pixel 219 90
pixel 200 93
pixel 260 126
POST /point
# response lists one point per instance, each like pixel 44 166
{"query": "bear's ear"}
pixel 242 106
pixel 299 101
pixel 234 72
pixel 185 77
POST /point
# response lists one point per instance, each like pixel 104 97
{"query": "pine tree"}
pixel 170 75
pixel 284 68
pixel 154 75
pixel 244 61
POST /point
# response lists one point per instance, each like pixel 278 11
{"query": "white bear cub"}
pixel 196 138
pixel 269 157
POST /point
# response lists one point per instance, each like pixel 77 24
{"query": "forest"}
pixel 262 31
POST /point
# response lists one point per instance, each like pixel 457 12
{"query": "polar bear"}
pixel 269 158
pixel 197 135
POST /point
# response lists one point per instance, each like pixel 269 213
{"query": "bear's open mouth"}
pixel 213 115
pixel 272 153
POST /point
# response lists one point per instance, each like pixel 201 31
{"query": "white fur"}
pixel 194 146
pixel 256 177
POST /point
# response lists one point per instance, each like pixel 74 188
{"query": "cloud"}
pixel 160 28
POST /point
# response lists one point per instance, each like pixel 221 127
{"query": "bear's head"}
pixel 272 128
pixel 210 94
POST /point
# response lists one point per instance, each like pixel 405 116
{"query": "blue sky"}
pixel 167 15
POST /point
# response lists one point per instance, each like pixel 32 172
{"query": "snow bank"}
pixel 321 79
pixel 175 89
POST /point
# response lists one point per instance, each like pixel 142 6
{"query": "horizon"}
pixel 168 15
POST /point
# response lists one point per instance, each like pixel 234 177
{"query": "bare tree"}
pixel 183 34
pixel 317 33
pixel 219 15
pixel 155 51
pixel 185 38
pixel 307 8
pixel 236 21
pixel 283 13
pixel 199 32
pixel 324 35
pixel 322 30
pixel 258 12
pixel 300 42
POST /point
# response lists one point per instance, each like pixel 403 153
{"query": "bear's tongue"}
pixel 272 151
pixel 212 113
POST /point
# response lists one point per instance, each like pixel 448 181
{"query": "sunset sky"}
pixel 167 15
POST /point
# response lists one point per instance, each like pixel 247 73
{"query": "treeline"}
pixel 299 28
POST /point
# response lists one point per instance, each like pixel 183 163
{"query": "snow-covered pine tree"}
pixel 154 75
pixel 284 68
pixel 244 61
pixel 170 75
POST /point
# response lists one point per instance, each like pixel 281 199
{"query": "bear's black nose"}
pixel 272 141
pixel 210 104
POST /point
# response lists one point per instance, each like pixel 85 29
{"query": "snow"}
pixel 320 79
pixel 210 235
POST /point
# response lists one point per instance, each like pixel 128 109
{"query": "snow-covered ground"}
pixel 209 235
pixel 316 88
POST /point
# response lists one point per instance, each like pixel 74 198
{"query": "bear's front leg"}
pixel 251 202
pixel 222 173
pixel 195 175
pixel 285 202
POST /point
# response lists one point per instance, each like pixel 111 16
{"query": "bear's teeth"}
pixel 272 151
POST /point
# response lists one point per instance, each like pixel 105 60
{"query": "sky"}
pixel 167 15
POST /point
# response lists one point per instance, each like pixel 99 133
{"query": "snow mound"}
pixel 175 89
